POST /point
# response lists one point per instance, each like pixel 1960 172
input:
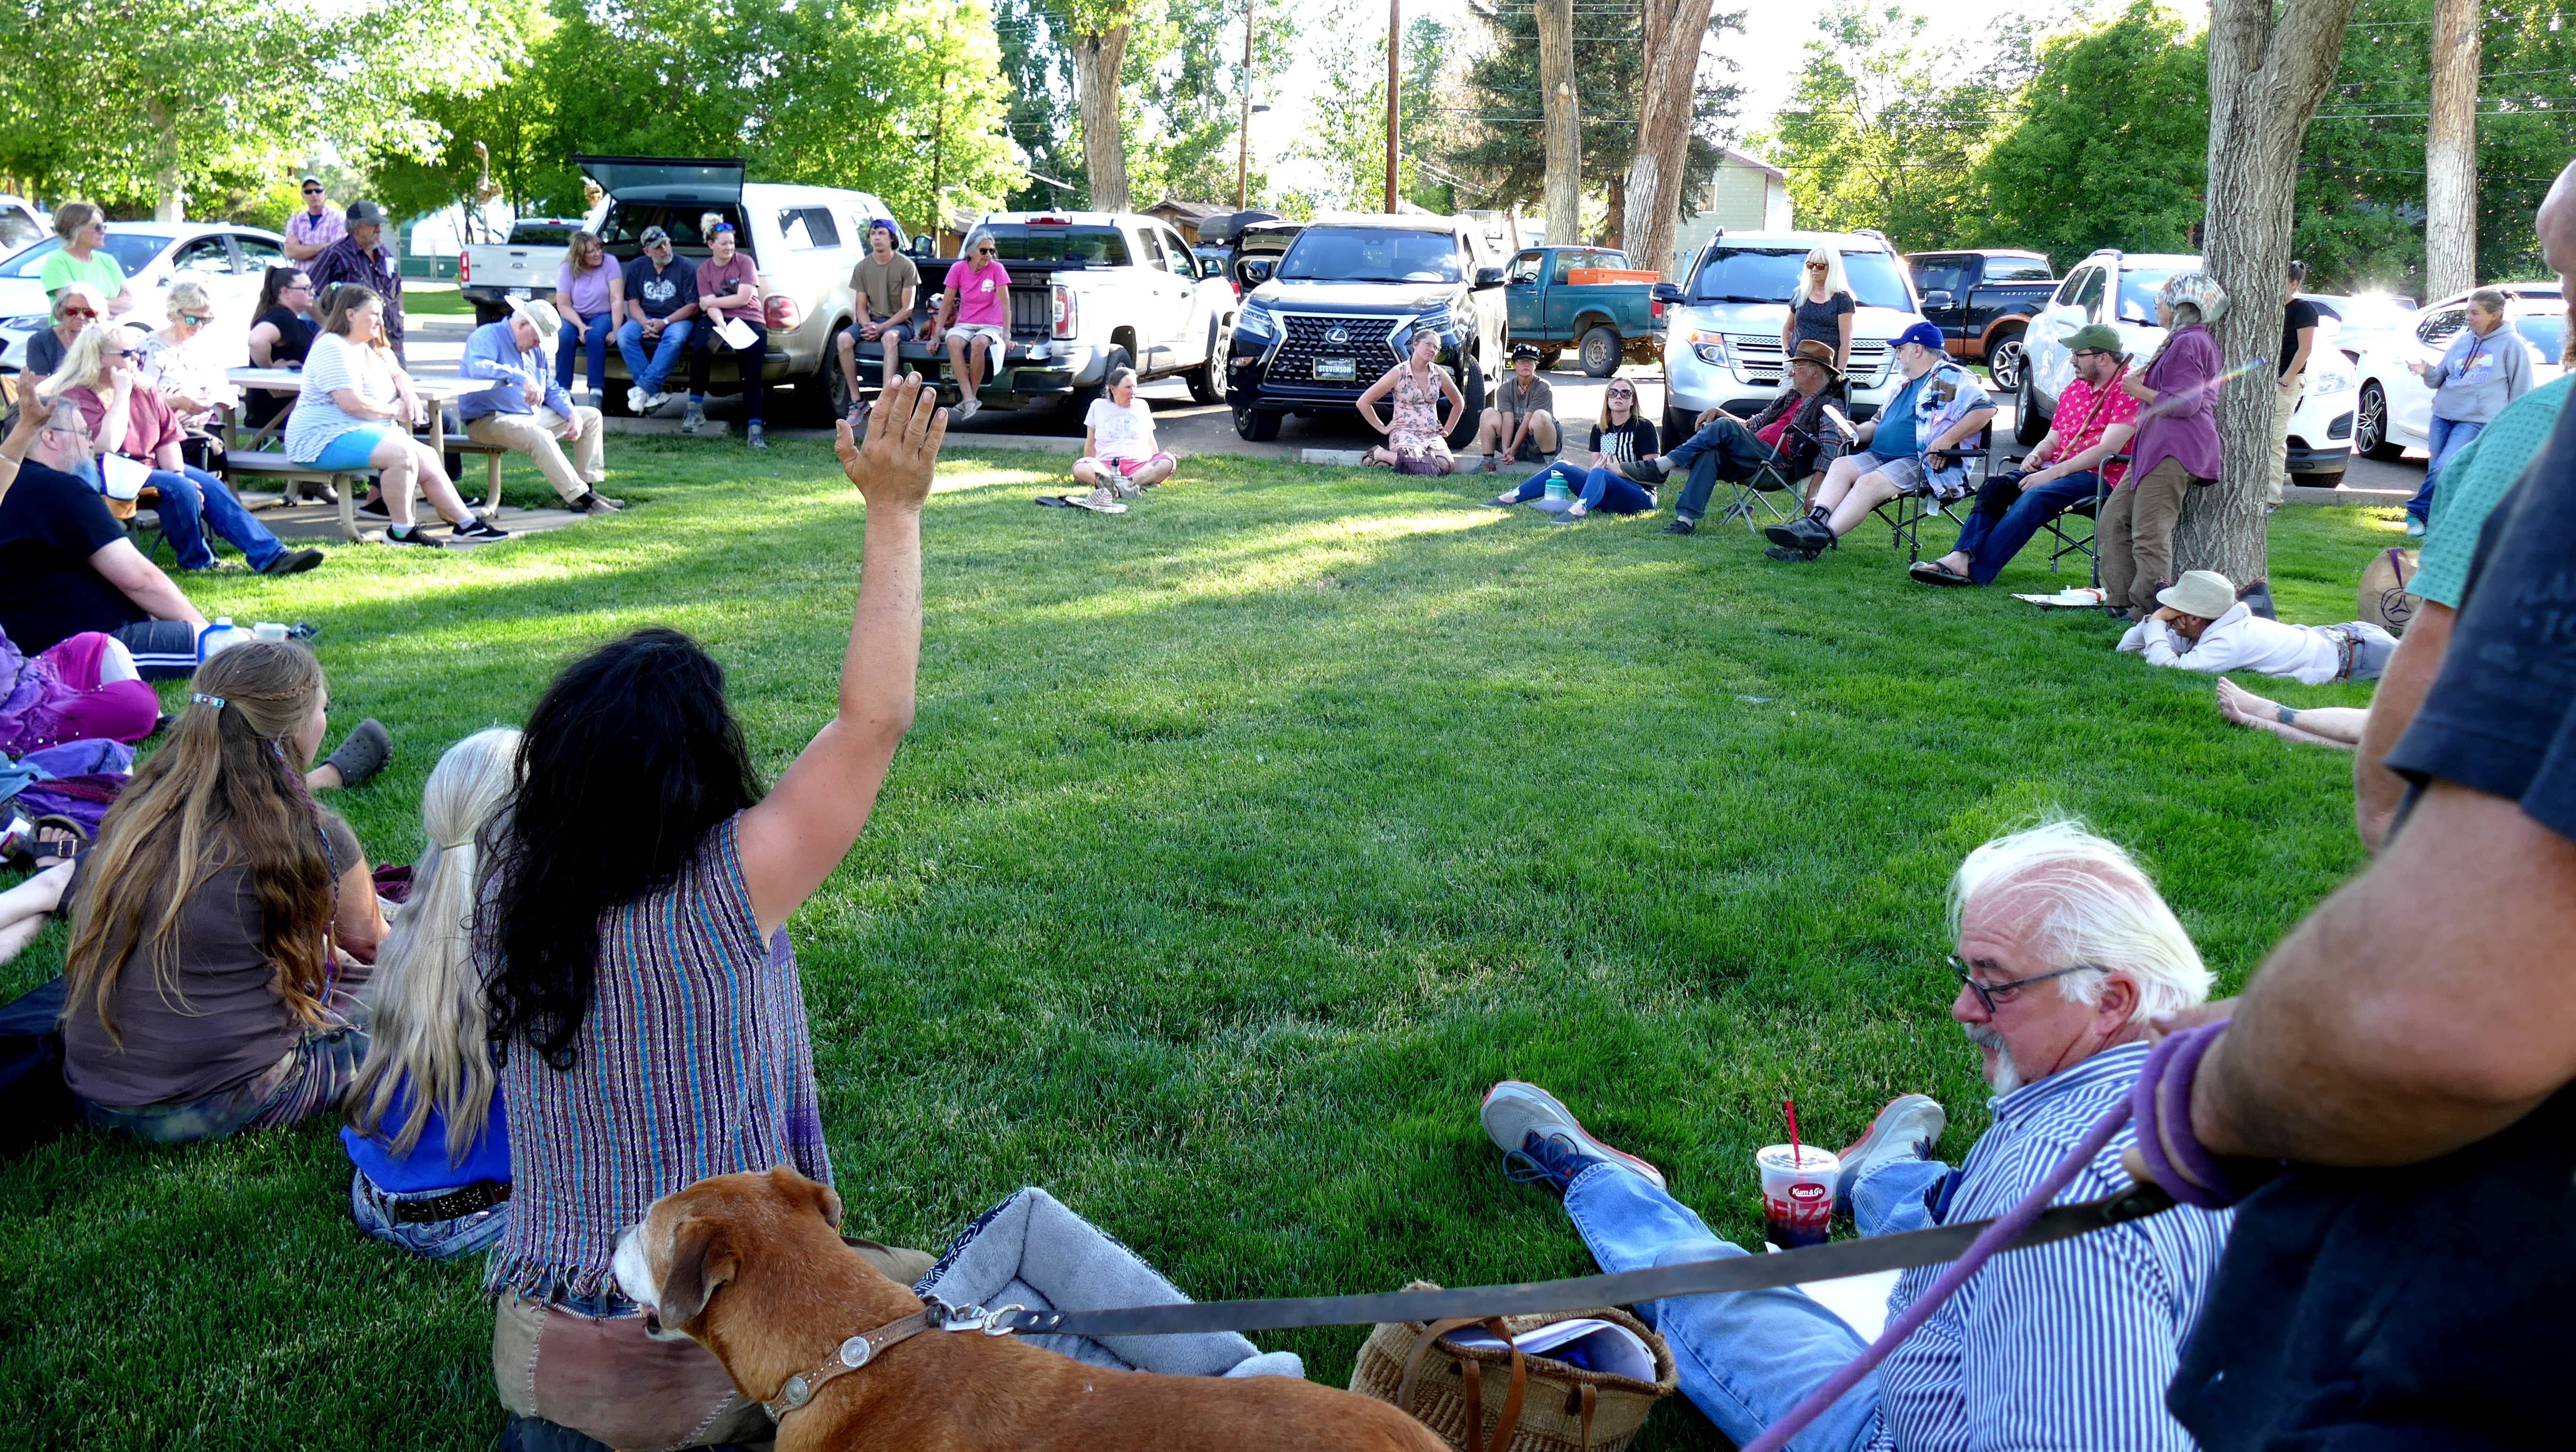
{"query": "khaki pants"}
pixel 2136 532
pixel 604 1377
pixel 538 436
pixel 2287 404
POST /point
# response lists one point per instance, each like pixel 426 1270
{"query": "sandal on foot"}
pixel 58 839
pixel 1933 572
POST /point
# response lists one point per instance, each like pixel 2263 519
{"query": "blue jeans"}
pixel 1748 1358
pixel 1725 449
pixel 747 363
pixel 192 499
pixel 666 352
pixel 431 1239
pixel 1597 487
pixel 594 347
pixel 2007 515
pixel 2447 437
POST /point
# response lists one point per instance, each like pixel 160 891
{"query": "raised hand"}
pixel 906 426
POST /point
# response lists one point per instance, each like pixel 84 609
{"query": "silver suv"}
pixel 1722 344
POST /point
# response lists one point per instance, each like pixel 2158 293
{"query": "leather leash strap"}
pixel 854 1353
pixel 1706 1277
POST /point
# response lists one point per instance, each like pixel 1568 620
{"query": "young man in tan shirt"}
pixel 886 283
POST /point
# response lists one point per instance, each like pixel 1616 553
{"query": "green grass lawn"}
pixel 1241 843
pixel 434 299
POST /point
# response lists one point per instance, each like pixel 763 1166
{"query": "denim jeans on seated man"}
pixel 667 352
pixel 192 499
pixel 1725 449
pixel 2007 515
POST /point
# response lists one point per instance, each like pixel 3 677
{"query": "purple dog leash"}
pixel 2161 1098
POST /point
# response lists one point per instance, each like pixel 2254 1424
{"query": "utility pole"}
pixel 1243 142
pixel 1394 90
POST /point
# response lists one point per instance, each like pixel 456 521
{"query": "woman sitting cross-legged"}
pixel 127 418
pixel 426 1132
pixel 210 981
pixel 355 413
pixel 1619 438
pixel 644 1001
pixel 1120 457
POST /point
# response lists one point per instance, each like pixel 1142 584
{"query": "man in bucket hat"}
pixel 2200 625
pixel 526 411
pixel 2095 419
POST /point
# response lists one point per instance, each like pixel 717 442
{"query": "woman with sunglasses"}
pixel 126 417
pixel 178 362
pixel 1619 438
pixel 975 319
pixel 75 308
pixel 281 333
pixel 84 257
pixel 1822 309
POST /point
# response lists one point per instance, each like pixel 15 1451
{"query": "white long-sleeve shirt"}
pixel 2240 640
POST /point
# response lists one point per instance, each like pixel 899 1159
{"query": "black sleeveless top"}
pixel 294 336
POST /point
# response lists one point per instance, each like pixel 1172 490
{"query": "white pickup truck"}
pixel 1091 292
pixel 488 273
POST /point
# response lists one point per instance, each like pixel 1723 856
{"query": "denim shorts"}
pixel 433 1239
pixel 350 450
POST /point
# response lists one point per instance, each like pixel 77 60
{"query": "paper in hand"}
pixel 736 333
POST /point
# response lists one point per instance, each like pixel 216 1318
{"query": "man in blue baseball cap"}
pixel 1907 449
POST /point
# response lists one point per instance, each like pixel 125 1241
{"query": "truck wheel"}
pixel 1472 386
pixel 2003 360
pixel 1256 425
pixel 824 398
pixel 1207 381
pixel 2029 427
pixel 1600 351
pixel 1548 358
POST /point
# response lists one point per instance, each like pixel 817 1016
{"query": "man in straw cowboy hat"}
pixel 2095 419
pixel 1729 448
pixel 2063 952
pixel 2200 625
pixel 527 411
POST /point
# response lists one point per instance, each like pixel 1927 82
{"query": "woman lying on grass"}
pixel 207 989
pixel 426 1132
pixel 643 997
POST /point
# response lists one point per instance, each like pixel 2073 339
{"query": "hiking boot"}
pixel 1905 1129
pixel 1783 552
pixel 695 419
pixel 1543 1142
pixel 1682 526
pixel 1806 532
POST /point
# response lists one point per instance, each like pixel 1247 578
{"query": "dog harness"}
pixel 867 1346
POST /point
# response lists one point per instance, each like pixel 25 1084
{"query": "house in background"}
pixel 1185 216
pixel 1748 194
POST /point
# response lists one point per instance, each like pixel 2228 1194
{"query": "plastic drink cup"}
pixel 1797 1193
pixel 269 630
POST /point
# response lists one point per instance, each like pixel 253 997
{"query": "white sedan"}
pixel 2396 410
pixel 228 260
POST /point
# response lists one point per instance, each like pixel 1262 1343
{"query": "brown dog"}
pixel 753 1267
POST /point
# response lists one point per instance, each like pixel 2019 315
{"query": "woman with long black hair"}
pixel 641 990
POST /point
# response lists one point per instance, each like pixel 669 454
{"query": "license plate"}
pixel 519 293
pixel 1341 369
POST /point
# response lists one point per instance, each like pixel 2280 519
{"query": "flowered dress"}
pixel 1416 433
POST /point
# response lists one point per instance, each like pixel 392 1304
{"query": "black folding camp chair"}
pixel 1908 513
pixel 2061 527
pixel 1769 484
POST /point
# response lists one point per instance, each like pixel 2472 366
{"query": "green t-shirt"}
pixel 2474 480
pixel 62 269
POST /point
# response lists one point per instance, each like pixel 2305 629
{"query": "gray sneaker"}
pixel 694 420
pixel 1906 1129
pixel 1514 1110
pixel 753 437
pixel 963 410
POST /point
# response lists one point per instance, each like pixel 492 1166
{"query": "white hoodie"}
pixel 2240 640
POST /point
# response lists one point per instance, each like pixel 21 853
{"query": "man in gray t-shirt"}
pixel 885 283
pixel 1521 426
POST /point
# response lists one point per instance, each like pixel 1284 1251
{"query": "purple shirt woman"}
pixel 2176 443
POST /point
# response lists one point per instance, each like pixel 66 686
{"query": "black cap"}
pixel 1524 350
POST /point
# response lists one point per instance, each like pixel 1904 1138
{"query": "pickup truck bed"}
pixel 1983 301
pixel 1587 298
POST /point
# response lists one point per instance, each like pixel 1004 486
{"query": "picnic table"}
pixel 272 463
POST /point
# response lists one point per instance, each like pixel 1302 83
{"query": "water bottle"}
pixel 222 635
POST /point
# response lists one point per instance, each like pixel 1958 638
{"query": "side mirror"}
pixel 1940 298
pixel 922 245
pixel 1254 271
pixel 1488 277
pixel 1668 293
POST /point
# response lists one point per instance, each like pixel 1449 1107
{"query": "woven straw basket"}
pixel 1526 1403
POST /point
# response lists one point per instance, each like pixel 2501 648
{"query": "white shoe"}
pixel 635 401
pixel 1098 501
pixel 653 402
pixel 1514 1110
pixel 1905 1129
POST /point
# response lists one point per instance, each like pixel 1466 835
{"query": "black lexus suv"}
pixel 1338 308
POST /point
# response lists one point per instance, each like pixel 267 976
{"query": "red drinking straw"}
pixel 1797 1156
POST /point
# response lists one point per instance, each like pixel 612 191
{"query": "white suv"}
pixel 1722 324
pixel 2120 289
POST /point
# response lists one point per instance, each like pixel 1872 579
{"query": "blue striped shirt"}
pixel 2066 1346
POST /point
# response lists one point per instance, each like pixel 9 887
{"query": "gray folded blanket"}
pixel 1032 1251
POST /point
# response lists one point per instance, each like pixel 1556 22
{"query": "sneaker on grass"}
pixel 411 534
pixel 1098 501
pixel 1542 1141
pixel 477 529
pixel 1906 1129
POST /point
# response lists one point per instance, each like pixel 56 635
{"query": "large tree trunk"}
pixel 1674 31
pixel 2265 79
pixel 1614 222
pixel 2451 152
pixel 1097 59
pixel 1564 122
pixel 171 205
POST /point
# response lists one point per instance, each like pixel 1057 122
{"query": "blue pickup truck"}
pixel 1603 322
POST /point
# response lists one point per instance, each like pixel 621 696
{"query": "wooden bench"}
pixel 292 477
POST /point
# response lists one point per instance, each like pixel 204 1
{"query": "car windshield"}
pixel 2545 331
pixel 1081 246
pixel 1773 275
pixel 1371 254
pixel 2138 288
pixel 133 252
pixel 17 229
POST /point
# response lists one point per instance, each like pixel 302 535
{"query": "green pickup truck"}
pixel 1554 306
